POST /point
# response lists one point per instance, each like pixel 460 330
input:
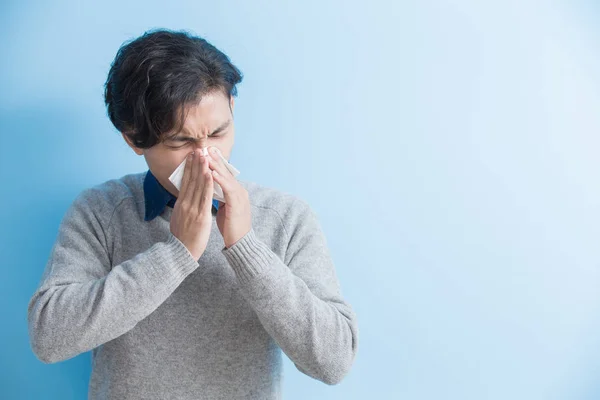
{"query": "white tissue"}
pixel 177 175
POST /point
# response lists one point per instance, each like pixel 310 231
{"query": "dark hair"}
pixel 154 77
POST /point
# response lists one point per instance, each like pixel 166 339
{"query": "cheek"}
pixel 225 146
pixel 163 163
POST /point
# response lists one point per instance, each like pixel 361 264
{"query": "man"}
pixel 177 295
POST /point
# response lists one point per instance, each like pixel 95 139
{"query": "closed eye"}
pixel 187 141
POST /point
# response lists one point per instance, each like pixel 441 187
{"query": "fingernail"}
pixel 214 150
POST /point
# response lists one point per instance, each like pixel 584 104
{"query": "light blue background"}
pixel 450 149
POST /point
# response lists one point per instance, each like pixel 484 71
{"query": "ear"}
pixel 137 150
pixel 231 104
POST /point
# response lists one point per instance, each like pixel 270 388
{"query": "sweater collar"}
pixel 156 197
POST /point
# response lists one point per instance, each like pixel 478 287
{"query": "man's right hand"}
pixel 191 221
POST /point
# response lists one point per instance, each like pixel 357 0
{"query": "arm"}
pixel 82 302
pixel 298 300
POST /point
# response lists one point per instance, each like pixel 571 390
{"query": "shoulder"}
pixel 291 208
pixel 104 198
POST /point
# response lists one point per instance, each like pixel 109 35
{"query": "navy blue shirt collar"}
pixel 156 197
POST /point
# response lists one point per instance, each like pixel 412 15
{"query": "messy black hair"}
pixel 154 77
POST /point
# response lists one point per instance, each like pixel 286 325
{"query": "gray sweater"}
pixel 162 325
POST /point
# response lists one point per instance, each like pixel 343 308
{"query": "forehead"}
pixel 213 108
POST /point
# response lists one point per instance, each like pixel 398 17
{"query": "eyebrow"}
pixel 180 137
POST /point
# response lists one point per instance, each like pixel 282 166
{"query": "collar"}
pixel 156 197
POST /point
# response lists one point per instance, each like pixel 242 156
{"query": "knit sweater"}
pixel 163 325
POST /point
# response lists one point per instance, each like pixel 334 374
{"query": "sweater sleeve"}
pixel 82 301
pixel 298 299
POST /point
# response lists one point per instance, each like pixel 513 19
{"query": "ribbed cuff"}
pixel 249 256
pixel 172 261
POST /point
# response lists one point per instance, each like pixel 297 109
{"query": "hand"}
pixel 191 221
pixel 233 217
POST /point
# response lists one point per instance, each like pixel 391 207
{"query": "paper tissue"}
pixel 177 175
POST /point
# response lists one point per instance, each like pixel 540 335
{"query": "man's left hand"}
pixel 233 217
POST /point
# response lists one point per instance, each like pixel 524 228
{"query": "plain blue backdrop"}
pixel 450 149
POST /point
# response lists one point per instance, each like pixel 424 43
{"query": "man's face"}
pixel 208 123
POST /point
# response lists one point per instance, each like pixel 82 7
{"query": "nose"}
pixel 201 144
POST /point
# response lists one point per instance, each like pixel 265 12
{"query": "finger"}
pixel 217 163
pixel 199 180
pixel 189 190
pixel 226 184
pixel 209 188
pixel 187 170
